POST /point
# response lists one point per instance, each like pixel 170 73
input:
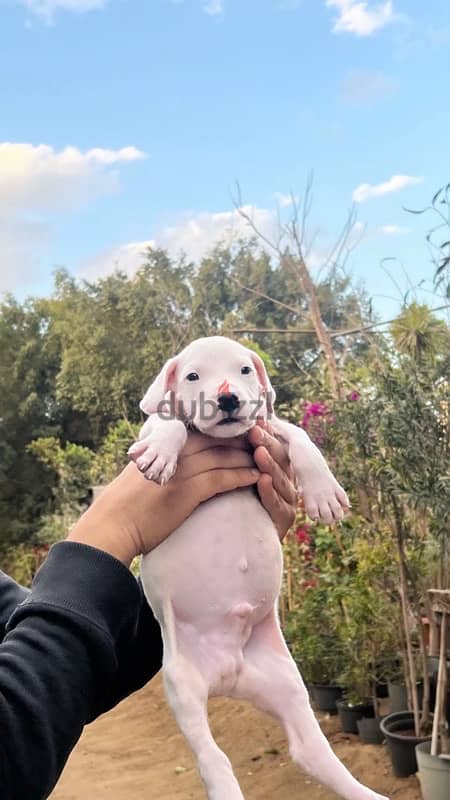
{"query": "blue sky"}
pixel 124 122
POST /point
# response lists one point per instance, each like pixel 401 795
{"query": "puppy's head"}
pixel 216 385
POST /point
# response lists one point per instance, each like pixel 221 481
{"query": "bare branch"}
pixel 267 297
pixel 332 334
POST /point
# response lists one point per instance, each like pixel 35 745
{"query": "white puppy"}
pixel 214 583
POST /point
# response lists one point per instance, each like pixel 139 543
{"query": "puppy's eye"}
pixel 193 376
pixel 246 370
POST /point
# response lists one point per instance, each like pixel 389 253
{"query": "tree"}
pixel 28 409
pixel 292 250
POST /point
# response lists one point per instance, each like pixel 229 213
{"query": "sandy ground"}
pixel 137 752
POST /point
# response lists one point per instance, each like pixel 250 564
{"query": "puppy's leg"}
pixel 324 498
pixel 187 688
pixel 271 681
pixel 187 694
pixel 160 443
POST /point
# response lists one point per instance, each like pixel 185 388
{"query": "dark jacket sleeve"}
pixel 79 642
pixel 11 594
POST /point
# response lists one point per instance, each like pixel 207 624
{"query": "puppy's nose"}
pixel 228 402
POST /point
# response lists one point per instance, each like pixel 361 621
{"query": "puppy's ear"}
pixel 264 381
pixel 157 391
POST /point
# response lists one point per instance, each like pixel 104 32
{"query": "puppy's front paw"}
pixel 325 500
pixel 154 461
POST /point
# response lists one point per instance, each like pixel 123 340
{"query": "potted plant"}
pixel 313 615
pixel 433 757
pixel 318 654
pixel 368 632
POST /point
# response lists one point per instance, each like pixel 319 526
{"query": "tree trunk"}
pixel 309 290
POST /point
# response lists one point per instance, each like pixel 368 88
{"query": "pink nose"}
pixel 224 388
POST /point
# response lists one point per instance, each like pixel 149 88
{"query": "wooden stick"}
pixel 443 730
pixel 442 680
pixel 289 588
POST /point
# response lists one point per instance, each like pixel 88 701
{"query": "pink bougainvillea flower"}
pixel 303 536
pixel 353 396
pixel 310 584
pixel 318 409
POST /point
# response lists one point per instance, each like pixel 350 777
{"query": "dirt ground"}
pixel 136 752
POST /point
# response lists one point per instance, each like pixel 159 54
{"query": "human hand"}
pixel 275 486
pixel 133 515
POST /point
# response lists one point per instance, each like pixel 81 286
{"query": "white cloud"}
pixel 198 234
pixel 361 18
pixel 394 230
pixel 214 8
pixel 285 200
pixel 194 235
pixel 47 8
pixel 38 180
pixel 42 178
pixel 366 190
pixel 365 86
pixel 126 257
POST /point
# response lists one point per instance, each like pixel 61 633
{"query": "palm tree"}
pixel 418 333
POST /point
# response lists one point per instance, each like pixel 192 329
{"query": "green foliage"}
pixel 22 562
pixel 71 468
pixel 28 365
pixel 389 443
pixel 111 457
pixel 74 367
pixel 76 364
pixel 345 619
pixel 418 333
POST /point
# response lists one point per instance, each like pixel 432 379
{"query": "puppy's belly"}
pixel 223 565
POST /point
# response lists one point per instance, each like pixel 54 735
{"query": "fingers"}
pixel 280 479
pixel 265 425
pixel 197 442
pixel 281 512
pixel 214 458
pixel 208 484
pixel 278 451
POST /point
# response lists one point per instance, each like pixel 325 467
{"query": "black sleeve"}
pixel 11 594
pixel 79 642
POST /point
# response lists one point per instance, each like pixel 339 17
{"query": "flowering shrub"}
pixel 316 417
pixel 340 623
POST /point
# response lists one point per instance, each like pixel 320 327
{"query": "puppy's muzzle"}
pixel 228 402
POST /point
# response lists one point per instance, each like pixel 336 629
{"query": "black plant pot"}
pixel 382 690
pixel 401 747
pixel 349 715
pixel 398 696
pixel 325 697
pixel 369 730
pixel 433 666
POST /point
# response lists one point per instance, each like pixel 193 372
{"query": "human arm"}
pixel 68 651
pixel 11 594
pixel 85 637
